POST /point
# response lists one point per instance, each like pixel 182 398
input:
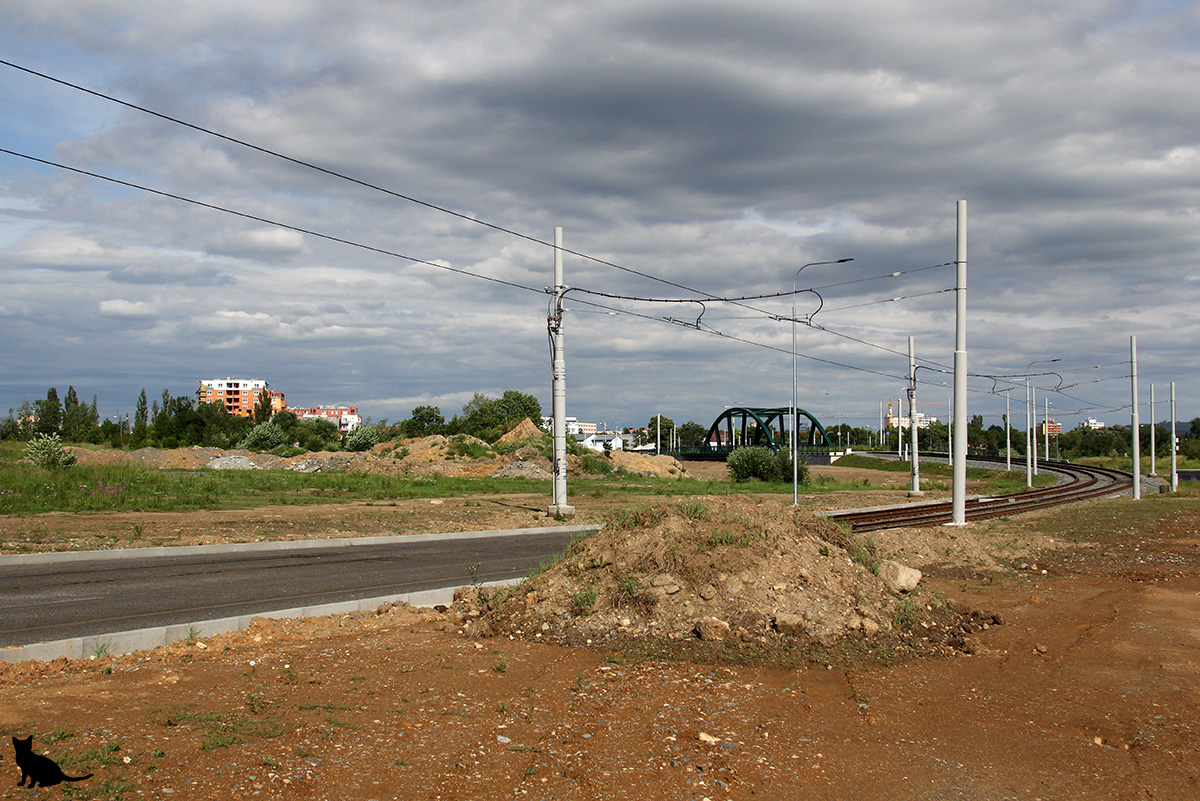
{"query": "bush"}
pixel 264 437
pixel 757 462
pixel 363 439
pixel 46 450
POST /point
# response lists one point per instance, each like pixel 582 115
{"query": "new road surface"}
pixel 58 597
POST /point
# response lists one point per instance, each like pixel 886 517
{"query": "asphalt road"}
pixel 43 602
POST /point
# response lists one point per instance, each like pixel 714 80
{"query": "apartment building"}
pixel 239 395
pixel 346 418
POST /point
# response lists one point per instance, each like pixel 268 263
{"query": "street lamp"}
pixel 1033 411
pixel 796 414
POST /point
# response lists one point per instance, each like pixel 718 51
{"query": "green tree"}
pixel 262 408
pixel 141 422
pixel 667 424
pixel 489 418
pixel 49 413
pixel 423 422
pixel 691 434
pixel 79 419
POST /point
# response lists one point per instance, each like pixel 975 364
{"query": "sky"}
pixel 381 182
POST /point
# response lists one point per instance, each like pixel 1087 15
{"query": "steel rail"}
pixel 1077 483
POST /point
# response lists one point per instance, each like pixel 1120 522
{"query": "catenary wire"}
pixel 267 221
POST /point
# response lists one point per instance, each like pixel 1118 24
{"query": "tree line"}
pixel 180 421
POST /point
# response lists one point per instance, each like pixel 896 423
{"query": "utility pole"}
pixel 1174 447
pixel 1046 425
pixel 1135 422
pixel 1028 432
pixel 1033 432
pixel 559 508
pixel 1007 430
pixel 959 514
pixel 1153 467
pixel 914 490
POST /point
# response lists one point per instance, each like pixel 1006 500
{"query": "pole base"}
pixel 561 510
pixel 916 493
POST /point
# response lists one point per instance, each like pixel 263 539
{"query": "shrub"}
pixel 363 439
pixel 757 462
pixel 264 437
pixel 46 450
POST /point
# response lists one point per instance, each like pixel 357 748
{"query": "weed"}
pixel 101 650
pixel 59 734
pixel 193 634
pixel 501 664
pixel 907 615
pixel 583 600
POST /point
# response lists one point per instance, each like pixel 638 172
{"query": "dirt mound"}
pixel 645 464
pixel 728 567
pixel 524 430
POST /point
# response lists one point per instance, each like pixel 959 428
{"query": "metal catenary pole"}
pixel 1028 431
pixel 1134 422
pixel 959 514
pixel 1174 446
pixel 1046 427
pixel 915 486
pixel 1153 465
pixel 559 402
pixel 1007 430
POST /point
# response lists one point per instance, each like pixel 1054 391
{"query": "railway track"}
pixel 1076 483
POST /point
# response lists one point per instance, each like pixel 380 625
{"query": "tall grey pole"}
pixel 899 430
pixel 1174 462
pixel 959 515
pixel 1007 431
pixel 795 414
pixel 950 430
pixel 1046 427
pixel 1028 433
pixel 915 486
pixel 1153 465
pixel 559 401
pixel 1135 423
pixel 1034 430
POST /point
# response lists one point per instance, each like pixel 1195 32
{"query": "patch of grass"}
pixel 583 601
pixel 907 615
pixel 223 729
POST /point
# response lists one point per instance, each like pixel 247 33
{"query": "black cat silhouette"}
pixel 39 769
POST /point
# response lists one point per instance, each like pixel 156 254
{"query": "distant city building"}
pixel 1091 423
pixel 573 425
pixel 238 395
pixel 346 418
pixel 601 441
pixel 587 428
pixel 1053 426
pixel 903 421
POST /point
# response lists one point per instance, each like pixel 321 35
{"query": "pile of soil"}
pixel 715 568
pixel 419 456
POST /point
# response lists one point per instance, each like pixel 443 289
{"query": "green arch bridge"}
pixel 741 426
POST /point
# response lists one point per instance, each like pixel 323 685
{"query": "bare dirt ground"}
pixel 1077 679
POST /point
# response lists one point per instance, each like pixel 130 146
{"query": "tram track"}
pixel 1076 483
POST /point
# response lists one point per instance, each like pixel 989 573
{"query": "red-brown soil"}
pixel 1087 690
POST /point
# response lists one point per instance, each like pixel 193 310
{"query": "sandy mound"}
pixel 730 567
pixel 646 465
pixel 524 430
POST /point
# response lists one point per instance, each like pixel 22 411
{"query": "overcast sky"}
pixel 705 149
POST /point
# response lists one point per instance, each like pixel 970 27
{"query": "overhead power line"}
pixel 266 220
pixel 412 259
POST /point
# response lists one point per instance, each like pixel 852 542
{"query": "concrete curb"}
pixel 284 545
pixel 121 642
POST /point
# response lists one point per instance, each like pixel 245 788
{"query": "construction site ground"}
pixel 1079 679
